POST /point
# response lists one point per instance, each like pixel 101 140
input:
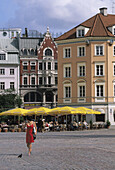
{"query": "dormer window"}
pixel 81 33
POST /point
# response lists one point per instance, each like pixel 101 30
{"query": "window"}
pixel 2 56
pixel 113 50
pixel 99 50
pixel 33 65
pixel 25 65
pixel 2 71
pixel 49 80
pixel 44 80
pixel 67 72
pixel 25 52
pixel 44 66
pixel 2 85
pixel 56 66
pixel 81 51
pixel 11 85
pixel 114 90
pixel 82 91
pixel 25 80
pixel 67 52
pixel 32 80
pixel 40 80
pixel 113 69
pixel 11 71
pixel 31 52
pixel 81 33
pixel 40 66
pixel 67 92
pixel 81 70
pixel 49 65
pixel 48 52
pixel 56 80
pixel 99 91
pixel 99 70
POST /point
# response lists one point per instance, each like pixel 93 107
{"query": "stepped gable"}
pixel 98 27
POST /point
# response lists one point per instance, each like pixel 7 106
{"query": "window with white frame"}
pixel 67 91
pixel 2 56
pixel 99 69
pixel 81 51
pixel 40 65
pixel 32 80
pixel 48 52
pixel 11 85
pixel 25 80
pixel 99 50
pixel 113 50
pixel 32 52
pixel 56 66
pixel 25 65
pixel 2 85
pixel 40 80
pixel 81 70
pixel 33 65
pixel 81 32
pixel 81 92
pixel 99 90
pixel 2 71
pixel 49 65
pixel 67 71
pixel 67 52
pixel 11 71
pixel 56 80
pixel 114 69
pixel 114 90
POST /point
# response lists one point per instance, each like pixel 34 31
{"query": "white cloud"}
pixel 59 15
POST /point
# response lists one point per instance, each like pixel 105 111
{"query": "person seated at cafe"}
pixel 85 124
pixel 75 125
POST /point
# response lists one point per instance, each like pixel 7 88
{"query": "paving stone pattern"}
pixel 77 150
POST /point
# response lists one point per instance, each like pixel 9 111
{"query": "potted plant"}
pixel 108 123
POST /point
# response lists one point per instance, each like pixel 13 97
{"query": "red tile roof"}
pixel 98 27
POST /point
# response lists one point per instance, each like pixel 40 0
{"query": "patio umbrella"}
pixel 38 111
pixel 14 112
pixel 85 110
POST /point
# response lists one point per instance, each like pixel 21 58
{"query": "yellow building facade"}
pixel 86 66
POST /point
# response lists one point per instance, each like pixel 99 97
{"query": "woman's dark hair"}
pixel 29 118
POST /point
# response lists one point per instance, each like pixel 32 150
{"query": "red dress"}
pixel 29 135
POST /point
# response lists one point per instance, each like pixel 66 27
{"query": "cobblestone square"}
pixel 68 150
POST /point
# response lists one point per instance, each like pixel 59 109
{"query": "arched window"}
pixel 25 52
pixel 32 52
pixel 48 52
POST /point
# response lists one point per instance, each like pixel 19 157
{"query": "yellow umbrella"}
pixel 38 111
pixel 15 112
pixel 85 110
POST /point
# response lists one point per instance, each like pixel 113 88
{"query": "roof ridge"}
pixel 92 28
pixel 103 25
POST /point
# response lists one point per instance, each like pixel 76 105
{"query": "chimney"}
pixel 26 32
pixel 103 11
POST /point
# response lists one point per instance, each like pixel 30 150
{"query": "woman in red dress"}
pixel 29 134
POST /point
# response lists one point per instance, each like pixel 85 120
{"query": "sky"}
pixel 59 15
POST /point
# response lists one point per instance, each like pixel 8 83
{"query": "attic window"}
pixel 81 33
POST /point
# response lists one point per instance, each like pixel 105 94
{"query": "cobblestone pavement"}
pixel 77 150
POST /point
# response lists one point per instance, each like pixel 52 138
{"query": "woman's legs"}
pixel 29 145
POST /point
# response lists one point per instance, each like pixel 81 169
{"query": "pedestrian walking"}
pixel 29 134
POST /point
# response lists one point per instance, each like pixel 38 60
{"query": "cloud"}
pixel 59 15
